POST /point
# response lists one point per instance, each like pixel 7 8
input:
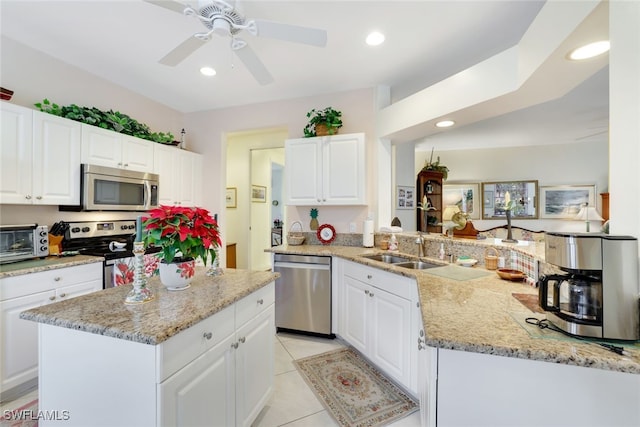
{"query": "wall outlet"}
pixel 352 227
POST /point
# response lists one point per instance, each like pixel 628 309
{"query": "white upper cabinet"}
pixel 40 158
pixel 327 170
pixel 108 148
pixel 180 175
pixel 15 153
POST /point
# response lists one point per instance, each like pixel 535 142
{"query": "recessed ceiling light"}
pixel 375 38
pixel 208 71
pixel 589 51
pixel 445 123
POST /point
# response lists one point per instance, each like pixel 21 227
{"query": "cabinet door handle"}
pixel 370 294
pixel 52 298
pixel 366 292
pixel 57 279
pixel 234 345
pixel 420 342
pixel 39 197
pixel 126 165
pixel 62 295
pixel 28 197
pixel 260 301
pixel 242 339
pixel 208 335
pixel 369 276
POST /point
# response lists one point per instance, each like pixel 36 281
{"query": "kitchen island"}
pixel 488 360
pixel 203 355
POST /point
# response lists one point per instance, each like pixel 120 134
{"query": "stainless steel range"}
pixel 112 240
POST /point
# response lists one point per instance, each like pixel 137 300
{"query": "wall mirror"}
pixel 523 193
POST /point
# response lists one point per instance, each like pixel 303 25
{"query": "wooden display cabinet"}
pixel 429 184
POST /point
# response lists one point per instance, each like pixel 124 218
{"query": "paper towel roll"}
pixel 367 233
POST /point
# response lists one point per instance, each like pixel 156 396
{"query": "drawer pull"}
pixel 234 345
pixel 208 335
pixel 57 279
pixel 366 292
pixel 242 339
pixel 52 298
pixel 260 301
pixel 369 276
pixel 370 294
pixel 62 295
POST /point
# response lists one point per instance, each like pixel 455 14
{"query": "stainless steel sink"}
pixel 389 259
pixel 417 265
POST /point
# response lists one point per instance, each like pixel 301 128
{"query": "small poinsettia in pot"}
pixel 184 235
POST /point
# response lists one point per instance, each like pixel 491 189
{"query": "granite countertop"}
pixel 105 313
pixel 49 263
pixel 482 315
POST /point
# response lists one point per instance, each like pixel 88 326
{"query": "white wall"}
pixel 571 164
pixel 405 175
pixel 209 129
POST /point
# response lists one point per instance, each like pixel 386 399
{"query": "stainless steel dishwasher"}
pixel 303 294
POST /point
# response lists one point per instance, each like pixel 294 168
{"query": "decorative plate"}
pixel 326 233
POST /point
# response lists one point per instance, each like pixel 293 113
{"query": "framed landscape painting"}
pixel 565 201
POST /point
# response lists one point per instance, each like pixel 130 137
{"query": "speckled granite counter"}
pixel 49 263
pixel 105 312
pixel 482 315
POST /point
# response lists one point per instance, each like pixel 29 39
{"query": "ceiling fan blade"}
pixel 291 33
pixel 181 52
pixel 254 65
pixel 169 4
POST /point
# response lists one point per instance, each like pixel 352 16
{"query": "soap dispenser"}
pixel 393 243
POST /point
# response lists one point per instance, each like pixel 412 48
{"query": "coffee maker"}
pixel 598 296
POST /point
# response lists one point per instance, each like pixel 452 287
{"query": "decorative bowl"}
pixel 508 274
pixel 467 262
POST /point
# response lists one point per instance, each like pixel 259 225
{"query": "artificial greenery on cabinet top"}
pixel 110 120
pixel 329 117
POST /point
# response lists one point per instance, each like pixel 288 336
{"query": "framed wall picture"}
pixel 565 201
pixel 524 194
pixel 464 195
pixel 405 197
pixel 231 197
pixel 258 194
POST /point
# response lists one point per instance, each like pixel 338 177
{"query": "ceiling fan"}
pixel 222 18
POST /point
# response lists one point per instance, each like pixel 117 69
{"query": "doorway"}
pixel 248 221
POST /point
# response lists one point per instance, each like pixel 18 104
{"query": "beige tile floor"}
pixel 293 404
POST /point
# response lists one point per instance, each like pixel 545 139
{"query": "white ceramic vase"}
pixel 177 276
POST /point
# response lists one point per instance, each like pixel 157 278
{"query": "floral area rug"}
pixel 24 416
pixel 353 392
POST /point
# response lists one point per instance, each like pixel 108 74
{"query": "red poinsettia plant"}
pixel 182 233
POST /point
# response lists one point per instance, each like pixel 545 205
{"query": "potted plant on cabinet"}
pixel 184 234
pixel 323 122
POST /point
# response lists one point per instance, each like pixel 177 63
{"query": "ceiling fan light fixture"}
pixel 221 26
pixel 589 51
pixel 207 71
pixel 375 38
pixel 445 123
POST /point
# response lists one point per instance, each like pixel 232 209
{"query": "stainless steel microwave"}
pixel 111 189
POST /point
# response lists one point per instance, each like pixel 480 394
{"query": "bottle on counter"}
pixel 393 243
pixel 441 251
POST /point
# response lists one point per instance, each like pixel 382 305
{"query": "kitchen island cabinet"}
pixel 201 356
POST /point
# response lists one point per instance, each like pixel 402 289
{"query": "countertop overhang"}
pixel 105 313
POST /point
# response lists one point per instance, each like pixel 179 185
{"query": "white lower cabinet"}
pixel 377 319
pixel 19 354
pixel 229 383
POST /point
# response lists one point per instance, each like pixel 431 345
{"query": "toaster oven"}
pixel 23 242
